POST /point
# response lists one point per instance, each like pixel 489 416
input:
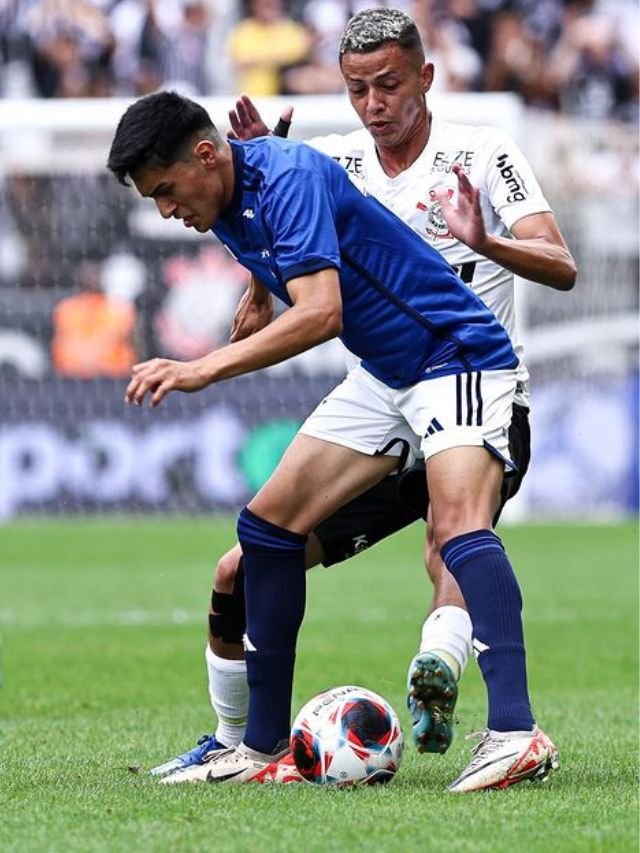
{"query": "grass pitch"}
pixel 103 629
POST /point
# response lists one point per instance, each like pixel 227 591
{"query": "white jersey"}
pixel 493 163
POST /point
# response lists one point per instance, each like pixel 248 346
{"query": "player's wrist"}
pixel 282 128
pixel 259 294
pixel 205 369
pixel 485 245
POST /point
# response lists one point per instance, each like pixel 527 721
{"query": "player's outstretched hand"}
pixel 159 376
pixel 246 122
pixel 252 314
pixel 464 219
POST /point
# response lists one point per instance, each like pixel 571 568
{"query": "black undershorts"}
pixel 400 499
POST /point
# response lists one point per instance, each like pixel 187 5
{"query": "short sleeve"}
pixel 512 187
pixel 300 214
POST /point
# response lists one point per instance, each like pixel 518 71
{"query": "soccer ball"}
pixel 346 736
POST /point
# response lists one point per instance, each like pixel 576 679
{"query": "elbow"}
pixel 570 275
pixel 328 325
pixel 566 274
pixel 333 325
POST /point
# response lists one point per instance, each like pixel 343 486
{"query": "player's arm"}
pixel 538 252
pixel 315 317
pixel 254 311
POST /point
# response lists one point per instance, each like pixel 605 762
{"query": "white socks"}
pixel 229 694
pixel 447 632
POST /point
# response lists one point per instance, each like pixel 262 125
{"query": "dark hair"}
pixel 156 129
pixel 371 28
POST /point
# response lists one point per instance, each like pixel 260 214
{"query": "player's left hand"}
pixel 247 123
pixel 464 219
pixel 159 376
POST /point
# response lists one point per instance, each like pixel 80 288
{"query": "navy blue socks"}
pixel 484 574
pixel 274 563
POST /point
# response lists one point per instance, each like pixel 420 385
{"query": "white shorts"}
pixel 434 415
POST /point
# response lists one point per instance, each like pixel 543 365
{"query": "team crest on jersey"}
pixel 436 224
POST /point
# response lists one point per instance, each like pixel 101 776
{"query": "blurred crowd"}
pixel 579 57
pixel 80 296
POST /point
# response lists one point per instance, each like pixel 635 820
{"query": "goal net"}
pixel 67 442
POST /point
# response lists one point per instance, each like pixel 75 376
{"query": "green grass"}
pixel 103 628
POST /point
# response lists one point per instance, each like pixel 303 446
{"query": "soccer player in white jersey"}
pixel 465 190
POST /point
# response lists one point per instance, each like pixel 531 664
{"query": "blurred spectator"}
pixel 320 72
pixel 224 14
pixel 578 57
pixel 472 19
pixel 540 19
pixel 447 43
pixel 262 45
pixel 127 19
pixel 594 76
pixel 15 73
pixel 625 16
pixel 174 45
pixel 71 47
pixel 92 331
pixel 517 61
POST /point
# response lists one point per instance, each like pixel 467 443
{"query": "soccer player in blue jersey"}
pixel 435 363
pixel 470 193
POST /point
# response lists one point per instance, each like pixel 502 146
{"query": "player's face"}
pixel 386 88
pixel 190 190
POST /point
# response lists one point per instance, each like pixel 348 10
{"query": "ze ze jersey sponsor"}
pixel 508 192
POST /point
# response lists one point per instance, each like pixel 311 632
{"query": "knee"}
pixel 227 614
pixel 459 521
pixel 226 571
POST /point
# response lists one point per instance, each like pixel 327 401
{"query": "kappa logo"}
pixel 360 543
pixel 265 253
pixel 478 648
pixel 247 644
pixel 248 213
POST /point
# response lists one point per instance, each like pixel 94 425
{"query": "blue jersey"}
pixel 405 312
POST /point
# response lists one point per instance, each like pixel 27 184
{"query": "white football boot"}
pixel 200 754
pixel 502 759
pixel 241 764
